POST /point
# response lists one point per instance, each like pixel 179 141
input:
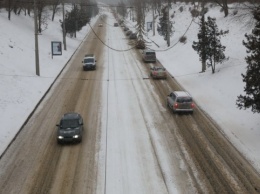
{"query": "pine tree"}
pixel 163 24
pixel 201 45
pixel 252 76
pixel 216 49
pixel 209 46
pixel 140 43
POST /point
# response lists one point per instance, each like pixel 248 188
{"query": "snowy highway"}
pixel 132 143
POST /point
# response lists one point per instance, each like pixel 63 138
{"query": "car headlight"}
pixel 60 137
pixel 76 136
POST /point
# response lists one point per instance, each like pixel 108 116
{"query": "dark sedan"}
pixel 70 128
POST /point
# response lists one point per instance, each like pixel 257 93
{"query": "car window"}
pixel 185 99
pixel 70 123
pixel 89 60
pixel 150 53
pixel 172 96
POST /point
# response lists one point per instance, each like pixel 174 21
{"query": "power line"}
pixel 108 45
pixel 178 40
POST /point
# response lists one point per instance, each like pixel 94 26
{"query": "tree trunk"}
pixel 203 57
pixel 9 10
pixel 225 7
pixel 39 20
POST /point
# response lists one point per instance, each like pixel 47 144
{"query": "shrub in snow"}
pixel 195 13
pixel 183 39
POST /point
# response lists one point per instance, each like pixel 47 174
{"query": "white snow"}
pixel 216 94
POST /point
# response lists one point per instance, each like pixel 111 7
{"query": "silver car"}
pixel 180 101
pixel 158 73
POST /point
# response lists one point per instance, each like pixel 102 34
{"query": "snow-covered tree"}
pixel 209 46
pixel 201 45
pixel 215 54
pixel 252 76
pixel 163 24
pixel 140 25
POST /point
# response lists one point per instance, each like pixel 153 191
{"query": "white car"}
pixel 89 62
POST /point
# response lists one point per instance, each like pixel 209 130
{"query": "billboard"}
pixel 56 48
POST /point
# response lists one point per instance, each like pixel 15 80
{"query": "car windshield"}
pixel 185 99
pixel 89 60
pixel 70 123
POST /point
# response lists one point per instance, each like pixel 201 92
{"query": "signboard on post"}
pixel 56 48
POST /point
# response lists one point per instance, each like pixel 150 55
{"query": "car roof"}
pixel 71 115
pixel 149 50
pixel 89 55
pixel 182 94
pixel 158 68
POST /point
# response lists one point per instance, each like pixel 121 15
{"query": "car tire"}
pixel 168 104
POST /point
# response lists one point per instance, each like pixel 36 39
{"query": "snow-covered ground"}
pixel 21 89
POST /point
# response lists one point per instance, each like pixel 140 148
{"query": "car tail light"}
pixel 192 105
pixel 176 105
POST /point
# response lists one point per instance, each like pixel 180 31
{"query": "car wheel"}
pixel 168 104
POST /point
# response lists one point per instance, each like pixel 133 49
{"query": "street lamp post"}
pixel 63 27
pixel 36 40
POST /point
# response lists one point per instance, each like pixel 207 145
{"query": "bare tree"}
pixel 54 5
pixel 224 5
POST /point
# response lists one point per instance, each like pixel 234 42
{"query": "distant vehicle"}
pixel 158 73
pixel 70 128
pixel 100 25
pixel 126 28
pixel 89 62
pixel 129 32
pixel 133 36
pixel 149 55
pixel 116 24
pixel 180 101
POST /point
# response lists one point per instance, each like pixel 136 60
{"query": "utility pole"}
pixel 36 40
pixel 153 23
pixel 168 24
pixel 63 27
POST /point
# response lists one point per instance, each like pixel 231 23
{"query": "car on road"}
pixel 89 62
pixel 180 101
pixel 149 55
pixel 158 73
pixel 70 128
pixel 116 24
pixel 100 25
